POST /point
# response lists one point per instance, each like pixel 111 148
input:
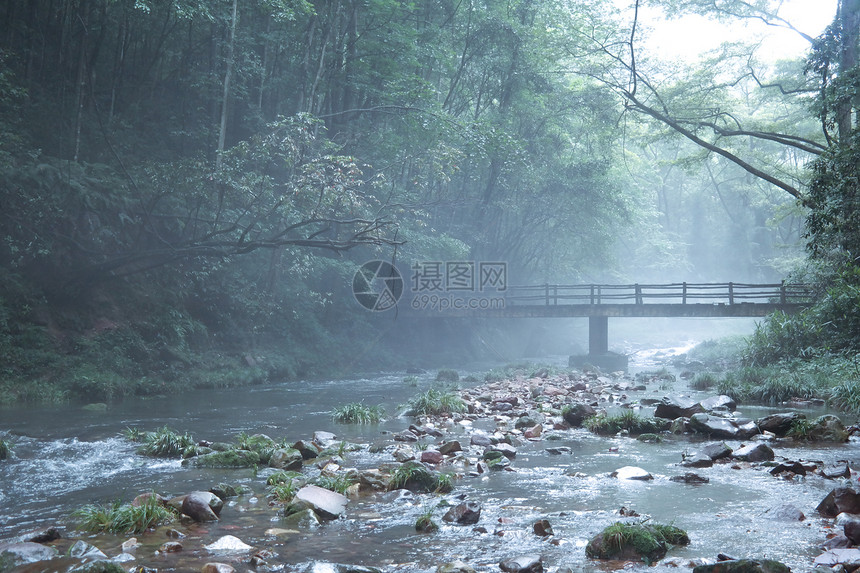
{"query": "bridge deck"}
pixel 633 300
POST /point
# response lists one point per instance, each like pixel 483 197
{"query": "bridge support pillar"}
pixel 598 348
pixel 598 335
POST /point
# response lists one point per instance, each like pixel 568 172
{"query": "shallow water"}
pixel 67 457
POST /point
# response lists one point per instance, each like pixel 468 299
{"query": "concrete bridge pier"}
pixel 598 348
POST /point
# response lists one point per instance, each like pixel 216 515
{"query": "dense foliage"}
pixel 188 188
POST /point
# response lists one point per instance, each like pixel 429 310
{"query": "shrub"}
pixel 704 381
pixel 447 375
pixel 358 413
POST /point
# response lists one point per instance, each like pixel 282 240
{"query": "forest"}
pixel 188 187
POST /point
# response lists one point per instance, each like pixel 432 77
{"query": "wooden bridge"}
pixel 599 302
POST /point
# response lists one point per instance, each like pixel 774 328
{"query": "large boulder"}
pixel 743 566
pixel 632 473
pixel 522 564
pixel 13 555
pixel 779 424
pixel 575 414
pixel 719 427
pixel 202 506
pixel 635 542
pixel 839 500
pixel 286 459
pixel 100 566
pixel 677 407
pixel 325 503
pixel 754 453
pixel 848 558
pixel 228 544
pixel 467 513
pixel 827 428
pixel 721 402
pixel 227 459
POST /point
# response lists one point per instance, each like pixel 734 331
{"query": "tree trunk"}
pixel 228 77
pixel 849 14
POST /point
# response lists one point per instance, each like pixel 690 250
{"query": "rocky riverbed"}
pixel 514 482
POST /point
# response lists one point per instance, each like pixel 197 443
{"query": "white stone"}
pixel 228 544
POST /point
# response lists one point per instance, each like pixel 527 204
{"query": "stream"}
pixel 66 457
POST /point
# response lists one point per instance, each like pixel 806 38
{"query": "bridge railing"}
pixel 673 293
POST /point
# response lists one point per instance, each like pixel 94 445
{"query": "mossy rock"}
pixel 415 477
pixel 635 542
pixel 743 566
pixel 101 566
pixel 227 459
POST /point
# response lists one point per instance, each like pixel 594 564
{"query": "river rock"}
pixel 634 542
pixel 836 470
pixel 202 506
pixel 481 440
pixel 779 424
pixel 308 449
pixel 217 568
pixel 41 535
pixel 690 478
pixel 302 519
pixel 849 558
pixel 522 564
pixel 227 459
pixel 405 436
pixel 228 544
pixel 324 439
pixel 506 449
pixel 403 454
pixel 839 500
pixel 83 550
pixel 716 450
pixel 450 447
pixel 575 414
pixel 543 528
pixel 288 459
pixel 721 402
pixel 455 567
pixel 100 566
pixel 785 512
pixel 719 427
pixel 432 457
pixel 631 473
pixel 13 555
pixel 827 428
pixel 326 503
pixel 754 453
pixel 677 407
pixel 743 566
pixel 697 460
pixel 170 547
pixel 534 432
pixel 467 513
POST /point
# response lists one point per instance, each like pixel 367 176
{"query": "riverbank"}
pixel 557 473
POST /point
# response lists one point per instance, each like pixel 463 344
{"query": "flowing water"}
pixel 66 457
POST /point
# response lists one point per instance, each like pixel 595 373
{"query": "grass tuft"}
pixel 123 518
pixel 434 402
pixel 358 413
pixel 165 442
